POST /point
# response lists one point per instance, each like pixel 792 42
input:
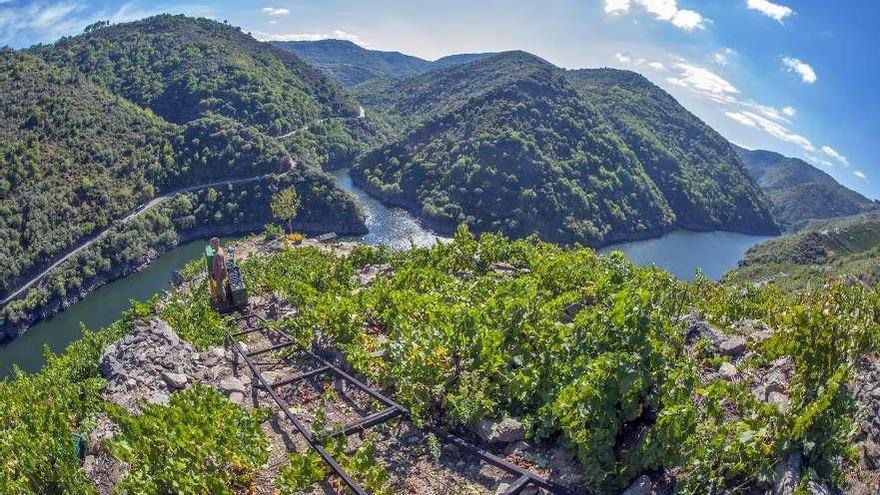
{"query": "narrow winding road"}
pixel 141 210
pixel 157 200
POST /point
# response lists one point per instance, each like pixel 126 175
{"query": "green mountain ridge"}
pixel 350 64
pixel 183 68
pixel 800 192
pixel 77 155
pixel 514 144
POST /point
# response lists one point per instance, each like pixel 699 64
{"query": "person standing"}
pixel 218 269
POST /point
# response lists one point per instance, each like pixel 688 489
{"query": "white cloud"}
pixel 335 35
pixel 47 20
pixel 808 75
pixel 775 129
pixel 616 6
pixel 768 111
pixel 860 175
pixel 274 11
pixel 623 58
pixel 704 83
pixel 770 9
pixel 833 153
pixel 789 111
pixel 664 10
pixel 657 66
pixel 722 57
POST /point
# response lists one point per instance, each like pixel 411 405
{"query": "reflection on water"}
pixel 394 227
pixel 682 252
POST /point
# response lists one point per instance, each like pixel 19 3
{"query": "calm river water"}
pixel 679 252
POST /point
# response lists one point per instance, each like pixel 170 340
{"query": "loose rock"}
pixel 505 431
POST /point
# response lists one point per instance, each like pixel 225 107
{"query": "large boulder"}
pixel 508 430
pixel 788 474
pixel 641 486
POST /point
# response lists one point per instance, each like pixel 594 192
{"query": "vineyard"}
pixel 632 371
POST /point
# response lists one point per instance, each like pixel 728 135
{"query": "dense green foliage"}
pixel 845 249
pixel 697 170
pixel 332 144
pixel 799 192
pixel 513 144
pixel 199 442
pixel 219 210
pixel 462 342
pixel 350 64
pixel 76 158
pixel 40 413
pixel 184 68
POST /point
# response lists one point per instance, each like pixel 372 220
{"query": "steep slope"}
pixel 350 64
pixel 798 191
pixel 695 167
pixel 513 144
pixel 843 248
pixel 506 145
pixel 184 68
pixel 76 159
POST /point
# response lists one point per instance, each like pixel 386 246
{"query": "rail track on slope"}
pixel 278 345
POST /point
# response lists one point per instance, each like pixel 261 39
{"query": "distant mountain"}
pixel 798 191
pixel 350 64
pixel 514 144
pixel 184 68
pixel 843 248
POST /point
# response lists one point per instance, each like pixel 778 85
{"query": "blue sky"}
pixel 793 76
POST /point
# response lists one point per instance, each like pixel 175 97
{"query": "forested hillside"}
pixel 845 248
pixel 350 64
pixel 76 155
pixel 799 192
pixel 513 144
pixel 697 170
pixel 183 68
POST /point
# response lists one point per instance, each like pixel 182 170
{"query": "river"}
pixel 680 252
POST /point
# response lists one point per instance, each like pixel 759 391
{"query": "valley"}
pixel 566 269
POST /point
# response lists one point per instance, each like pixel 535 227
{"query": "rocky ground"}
pixel 150 364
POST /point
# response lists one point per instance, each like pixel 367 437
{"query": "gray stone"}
pixel 779 400
pixel 232 384
pixel 176 381
pixel 814 488
pixel 505 431
pixel 368 273
pixel 516 448
pixel 158 398
pixel 641 486
pixel 728 371
pixel 871 452
pixel 788 474
pixel 237 397
pixel 733 346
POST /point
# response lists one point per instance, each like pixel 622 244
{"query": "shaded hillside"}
pixel 350 64
pixel 697 170
pixel 183 68
pixel 76 159
pixel 514 144
pixel 845 248
pixel 798 191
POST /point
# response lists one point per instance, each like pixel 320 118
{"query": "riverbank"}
pixel 55 305
pixel 610 242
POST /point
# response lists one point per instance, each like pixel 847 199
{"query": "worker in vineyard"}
pixel 219 269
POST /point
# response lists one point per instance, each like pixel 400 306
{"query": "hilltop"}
pixel 513 144
pixel 184 68
pixel 350 64
pixel 799 192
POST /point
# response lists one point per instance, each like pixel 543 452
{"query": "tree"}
pixel 284 206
